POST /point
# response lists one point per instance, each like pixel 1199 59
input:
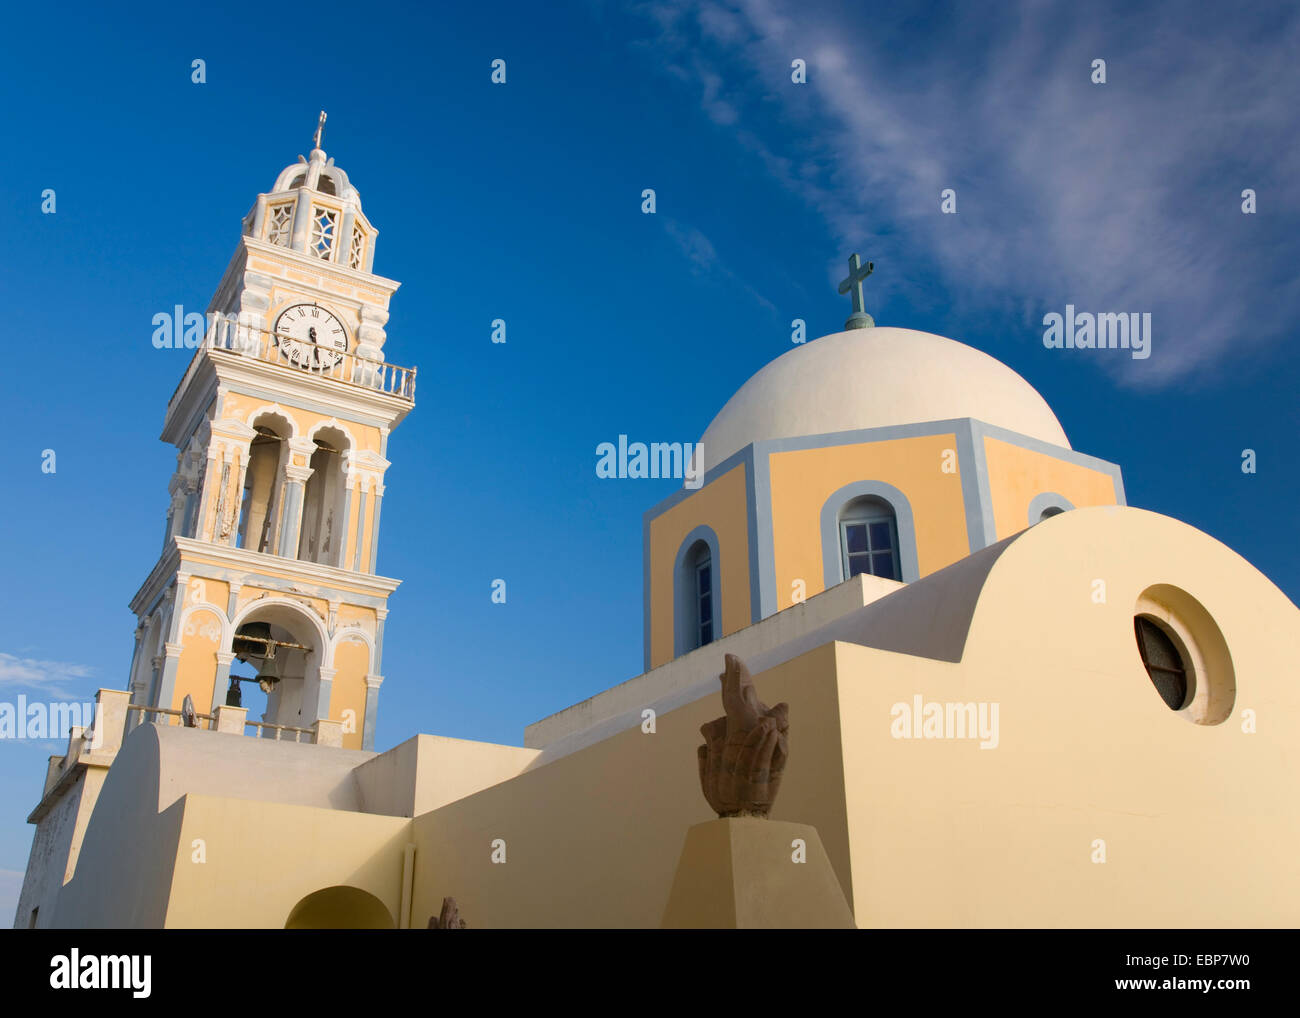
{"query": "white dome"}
pixel 874 378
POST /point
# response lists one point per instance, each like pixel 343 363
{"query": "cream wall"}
pixel 721 504
pixel 1197 829
pixel 593 838
pixel 260 859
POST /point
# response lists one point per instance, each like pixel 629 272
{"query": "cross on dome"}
pixel 853 286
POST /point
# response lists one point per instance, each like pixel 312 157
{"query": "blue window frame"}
pixel 869 540
pixel 704 598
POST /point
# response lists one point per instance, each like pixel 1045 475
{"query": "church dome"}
pixel 875 378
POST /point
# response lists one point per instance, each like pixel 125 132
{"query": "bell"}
pixel 253 640
pixel 233 696
pixel 267 678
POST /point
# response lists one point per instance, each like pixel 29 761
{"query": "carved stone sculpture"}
pixel 449 919
pixel 744 753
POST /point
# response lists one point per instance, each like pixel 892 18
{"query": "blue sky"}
pixel 522 201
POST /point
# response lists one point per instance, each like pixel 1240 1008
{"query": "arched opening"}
pixel 868 533
pixel 340 908
pixel 1047 504
pixel 322 513
pixel 261 497
pixel 277 666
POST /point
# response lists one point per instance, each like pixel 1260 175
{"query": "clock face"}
pixel 310 336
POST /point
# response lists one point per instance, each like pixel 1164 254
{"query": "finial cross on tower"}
pixel 853 286
pixel 320 128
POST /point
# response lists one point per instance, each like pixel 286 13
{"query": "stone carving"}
pixel 449 919
pixel 744 752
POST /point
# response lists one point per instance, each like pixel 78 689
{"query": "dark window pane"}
pixel 883 565
pixel 706 633
pixel 880 537
pixel 856 535
pixel 706 609
pixel 705 578
pixel 1163 663
pixel 859 564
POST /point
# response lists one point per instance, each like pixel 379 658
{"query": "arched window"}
pixel 261 484
pixel 702 591
pixel 1046 505
pixel 698 602
pixel 322 512
pixel 869 539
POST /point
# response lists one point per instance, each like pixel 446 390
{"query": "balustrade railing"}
pixel 320 359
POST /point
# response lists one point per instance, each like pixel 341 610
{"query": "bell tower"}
pixel 281 425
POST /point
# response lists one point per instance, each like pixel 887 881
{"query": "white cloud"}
pixel 1112 197
pixel 55 678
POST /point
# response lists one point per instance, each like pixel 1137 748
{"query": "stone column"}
pixel 259 217
pixel 324 689
pixel 211 478
pixel 381 615
pixel 301 218
pixel 167 682
pixel 349 479
pixel 374 529
pixel 230 720
pixel 373 682
pixel 132 679
pixel 222 678
pixel 295 482
pixel 328 733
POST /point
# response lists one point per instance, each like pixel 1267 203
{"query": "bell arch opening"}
pixel 278 658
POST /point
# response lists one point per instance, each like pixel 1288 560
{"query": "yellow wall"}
pixel 348 691
pixel 201 635
pixel 1018 475
pixel 802 480
pixel 720 504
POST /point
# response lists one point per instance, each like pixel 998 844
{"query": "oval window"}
pixel 1164 663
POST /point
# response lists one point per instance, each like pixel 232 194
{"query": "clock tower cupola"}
pixel 281 423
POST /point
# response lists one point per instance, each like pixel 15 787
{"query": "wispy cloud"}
pixel 1120 197
pixel 51 678
pixel 704 260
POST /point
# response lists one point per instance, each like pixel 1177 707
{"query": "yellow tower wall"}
pixel 348 690
pixel 1017 475
pixel 802 480
pixel 722 505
